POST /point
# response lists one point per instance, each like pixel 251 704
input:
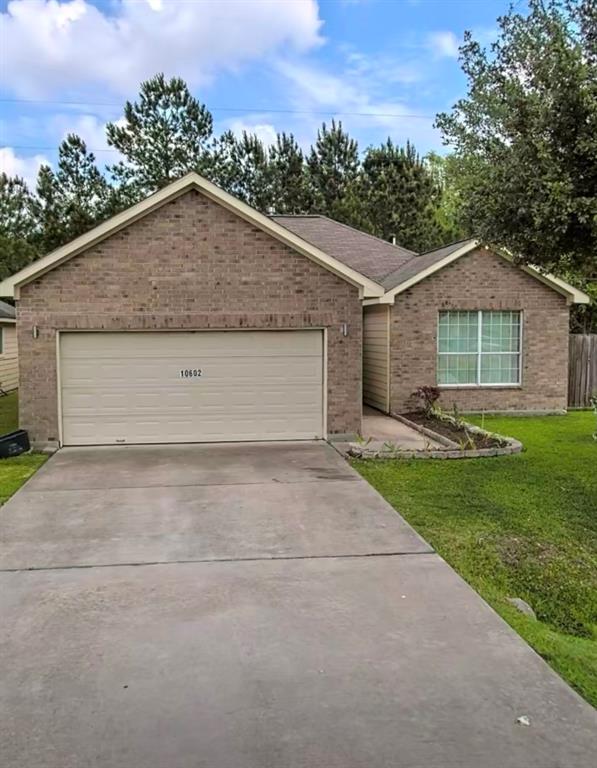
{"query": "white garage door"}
pixel 205 386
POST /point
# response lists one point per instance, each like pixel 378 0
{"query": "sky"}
pixel 383 67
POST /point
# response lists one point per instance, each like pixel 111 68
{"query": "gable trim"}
pixel 191 181
pixel 390 295
pixel 573 295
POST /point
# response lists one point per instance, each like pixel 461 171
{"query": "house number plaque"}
pixel 191 373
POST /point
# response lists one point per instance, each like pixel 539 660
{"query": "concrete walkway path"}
pixel 376 426
pixel 253 606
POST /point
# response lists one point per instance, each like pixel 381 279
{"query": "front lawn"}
pixel 14 471
pixel 519 526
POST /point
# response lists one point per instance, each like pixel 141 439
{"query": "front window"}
pixel 478 348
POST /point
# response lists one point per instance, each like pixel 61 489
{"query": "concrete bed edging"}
pixel 380 450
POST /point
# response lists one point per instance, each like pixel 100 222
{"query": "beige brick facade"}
pixel 191 264
pixel 482 280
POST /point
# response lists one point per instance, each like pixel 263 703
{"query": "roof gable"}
pixel 367 287
pixel 418 268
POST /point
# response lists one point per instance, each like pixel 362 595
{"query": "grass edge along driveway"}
pixel 519 526
pixel 18 469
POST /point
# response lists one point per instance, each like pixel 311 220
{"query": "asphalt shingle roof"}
pixel 7 312
pixel 369 255
pixel 417 264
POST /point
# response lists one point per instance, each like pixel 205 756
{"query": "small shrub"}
pixel 593 402
pixel 427 397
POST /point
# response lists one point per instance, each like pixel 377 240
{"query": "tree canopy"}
pixel 388 190
pixel 521 175
pixel 525 136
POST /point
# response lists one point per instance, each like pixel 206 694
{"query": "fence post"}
pixel 582 370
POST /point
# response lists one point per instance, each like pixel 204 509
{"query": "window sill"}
pixel 479 386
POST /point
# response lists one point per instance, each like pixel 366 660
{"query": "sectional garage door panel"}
pixel 191 387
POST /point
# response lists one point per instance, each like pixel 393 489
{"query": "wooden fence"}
pixel 582 371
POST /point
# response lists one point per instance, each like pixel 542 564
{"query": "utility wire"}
pixel 259 110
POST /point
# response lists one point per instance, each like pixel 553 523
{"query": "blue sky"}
pixel 384 67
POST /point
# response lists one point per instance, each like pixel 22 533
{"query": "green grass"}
pixel 519 526
pixel 18 469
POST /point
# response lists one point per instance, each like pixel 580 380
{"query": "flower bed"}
pixel 454 438
pixel 457 431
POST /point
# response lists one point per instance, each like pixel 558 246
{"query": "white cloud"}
pixel 443 44
pixel 89 127
pixel 264 131
pixel 359 101
pixel 64 46
pixel 25 167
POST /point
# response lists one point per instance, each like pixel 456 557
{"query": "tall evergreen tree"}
pixel 240 166
pixel 72 199
pixel 333 168
pixel 166 133
pixel 288 176
pixel 17 225
pixel 399 196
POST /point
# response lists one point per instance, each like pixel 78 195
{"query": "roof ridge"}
pixel 368 234
pixel 297 216
pixel 342 224
pixel 447 245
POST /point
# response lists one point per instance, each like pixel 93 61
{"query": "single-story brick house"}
pixel 9 369
pixel 192 317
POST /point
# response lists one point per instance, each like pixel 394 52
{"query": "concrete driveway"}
pixel 253 606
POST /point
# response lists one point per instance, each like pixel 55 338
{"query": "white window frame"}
pixel 479 384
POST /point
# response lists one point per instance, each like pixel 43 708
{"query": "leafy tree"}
pixel 288 176
pixel 446 171
pixel 399 196
pixel 72 199
pixel 166 134
pixel 527 132
pixel 333 168
pixel 17 225
pixel 583 317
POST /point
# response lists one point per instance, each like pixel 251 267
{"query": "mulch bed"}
pixel 457 434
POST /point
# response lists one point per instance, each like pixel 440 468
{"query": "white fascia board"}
pixel 390 296
pixel 572 294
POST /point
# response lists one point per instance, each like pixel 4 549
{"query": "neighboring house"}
pixel 9 366
pixel 192 317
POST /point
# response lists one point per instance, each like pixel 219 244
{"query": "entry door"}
pixel 178 387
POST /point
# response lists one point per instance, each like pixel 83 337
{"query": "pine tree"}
pixel 48 211
pixel 288 176
pixel 399 196
pixel 240 166
pixel 17 225
pixel 72 199
pixel 333 167
pixel 165 135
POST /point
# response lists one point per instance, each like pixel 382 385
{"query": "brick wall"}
pixel 482 280
pixel 189 265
